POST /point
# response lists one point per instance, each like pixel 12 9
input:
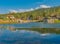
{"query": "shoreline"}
pixel 16 22
pixel 20 21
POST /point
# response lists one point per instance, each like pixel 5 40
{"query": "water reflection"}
pixel 13 35
pixel 28 37
pixel 7 28
pixel 41 30
pixel 33 24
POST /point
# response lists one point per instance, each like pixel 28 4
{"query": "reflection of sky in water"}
pixel 27 37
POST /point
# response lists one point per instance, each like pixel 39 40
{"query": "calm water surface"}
pixel 8 36
pixel 33 24
pixel 27 37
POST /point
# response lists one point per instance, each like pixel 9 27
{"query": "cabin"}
pixel 51 20
pixel 10 17
pixel 58 17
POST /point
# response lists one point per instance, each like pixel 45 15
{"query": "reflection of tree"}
pixel 42 30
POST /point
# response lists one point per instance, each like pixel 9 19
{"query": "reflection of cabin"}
pixel 11 28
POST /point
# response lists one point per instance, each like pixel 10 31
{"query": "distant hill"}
pixel 42 12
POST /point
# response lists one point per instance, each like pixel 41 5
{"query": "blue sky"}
pixel 6 5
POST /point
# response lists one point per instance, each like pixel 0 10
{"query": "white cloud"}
pixel 20 10
pixel 13 11
pixel 26 10
pixel 31 9
pixel 44 6
pixel 37 7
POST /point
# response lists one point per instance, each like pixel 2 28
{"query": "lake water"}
pixel 32 24
pixel 8 36
pixel 28 37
